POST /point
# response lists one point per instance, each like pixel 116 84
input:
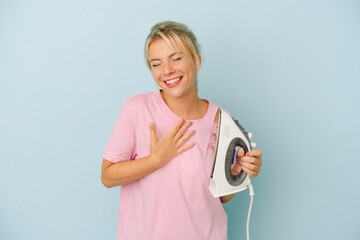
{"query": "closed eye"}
pixel 177 59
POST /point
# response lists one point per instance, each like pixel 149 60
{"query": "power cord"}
pixel 251 192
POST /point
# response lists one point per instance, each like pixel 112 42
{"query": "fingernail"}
pixel 151 124
pixel 190 123
pixel 247 154
pixel 193 130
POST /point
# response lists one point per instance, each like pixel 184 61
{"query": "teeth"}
pixel 173 81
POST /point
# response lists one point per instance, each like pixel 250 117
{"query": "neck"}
pixel 188 107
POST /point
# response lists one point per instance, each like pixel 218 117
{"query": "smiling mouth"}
pixel 173 82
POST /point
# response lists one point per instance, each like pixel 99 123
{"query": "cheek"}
pixel 191 71
pixel 190 68
pixel 155 74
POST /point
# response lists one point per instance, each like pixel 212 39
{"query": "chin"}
pixel 178 91
pixel 174 93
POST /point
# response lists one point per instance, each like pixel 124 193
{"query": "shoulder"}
pixel 212 105
pixel 138 98
pixel 217 108
pixel 140 103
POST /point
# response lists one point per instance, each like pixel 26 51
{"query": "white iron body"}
pixel 230 135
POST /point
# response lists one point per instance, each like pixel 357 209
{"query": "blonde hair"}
pixel 175 33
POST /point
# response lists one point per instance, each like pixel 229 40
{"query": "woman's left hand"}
pixel 250 163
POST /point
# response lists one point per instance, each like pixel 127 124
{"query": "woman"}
pixel 161 149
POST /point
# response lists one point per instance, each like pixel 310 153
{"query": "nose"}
pixel 168 69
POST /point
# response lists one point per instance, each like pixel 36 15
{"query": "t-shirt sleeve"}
pixel 121 145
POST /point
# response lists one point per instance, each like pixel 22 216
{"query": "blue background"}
pixel 288 70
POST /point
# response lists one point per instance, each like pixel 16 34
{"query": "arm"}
pixel 162 150
pixel 116 174
pixel 226 198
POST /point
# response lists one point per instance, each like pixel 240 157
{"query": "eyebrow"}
pixel 175 53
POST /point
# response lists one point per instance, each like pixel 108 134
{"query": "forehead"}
pixel 160 47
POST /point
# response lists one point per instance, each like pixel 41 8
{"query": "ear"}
pixel 198 67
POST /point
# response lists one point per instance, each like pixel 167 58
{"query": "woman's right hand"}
pixel 162 150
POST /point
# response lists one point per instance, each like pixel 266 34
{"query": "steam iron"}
pixel 231 135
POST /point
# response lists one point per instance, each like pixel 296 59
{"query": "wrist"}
pixel 154 160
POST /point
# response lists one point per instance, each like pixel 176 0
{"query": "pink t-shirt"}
pixel 174 202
